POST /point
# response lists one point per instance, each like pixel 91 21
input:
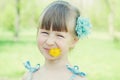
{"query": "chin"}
pixel 50 58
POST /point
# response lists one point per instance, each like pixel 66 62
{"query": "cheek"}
pixel 40 40
pixel 63 44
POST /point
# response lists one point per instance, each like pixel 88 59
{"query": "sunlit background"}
pixel 98 55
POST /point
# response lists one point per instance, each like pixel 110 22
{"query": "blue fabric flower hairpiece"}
pixel 82 27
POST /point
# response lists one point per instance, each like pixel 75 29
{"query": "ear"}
pixel 75 40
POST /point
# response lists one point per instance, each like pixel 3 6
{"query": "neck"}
pixel 56 64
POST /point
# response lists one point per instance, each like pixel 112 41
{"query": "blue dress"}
pixel 75 70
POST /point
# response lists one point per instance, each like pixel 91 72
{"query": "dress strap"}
pixel 31 69
pixel 75 70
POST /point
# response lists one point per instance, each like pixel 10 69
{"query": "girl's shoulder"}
pixel 31 71
pixel 80 78
pixel 25 76
pixel 30 76
pixel 77 74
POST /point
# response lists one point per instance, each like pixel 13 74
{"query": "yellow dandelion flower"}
pixel 55 52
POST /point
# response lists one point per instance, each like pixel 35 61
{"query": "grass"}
pixel 99 58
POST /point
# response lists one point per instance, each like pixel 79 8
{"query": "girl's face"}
pixel 48 39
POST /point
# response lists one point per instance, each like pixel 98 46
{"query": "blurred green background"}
pixel 98 54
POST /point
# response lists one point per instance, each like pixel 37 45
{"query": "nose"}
pixel 50 41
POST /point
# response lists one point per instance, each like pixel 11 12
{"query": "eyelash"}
pixel 45 33
pixel 60 36
pixel 48 34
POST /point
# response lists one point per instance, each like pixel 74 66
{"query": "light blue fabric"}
pixel 83 27
pixel 75 70
pixel 30 68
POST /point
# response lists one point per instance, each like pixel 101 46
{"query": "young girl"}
pixel 60 28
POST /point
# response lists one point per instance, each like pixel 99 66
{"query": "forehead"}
pixel 55 17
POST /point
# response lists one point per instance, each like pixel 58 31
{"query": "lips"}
pixel 47 49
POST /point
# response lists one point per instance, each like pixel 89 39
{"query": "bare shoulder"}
pixel 80 78
pixel 26 76
pixel 29 75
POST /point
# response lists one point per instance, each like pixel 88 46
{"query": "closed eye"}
pixel 61 36
pixel 45 33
